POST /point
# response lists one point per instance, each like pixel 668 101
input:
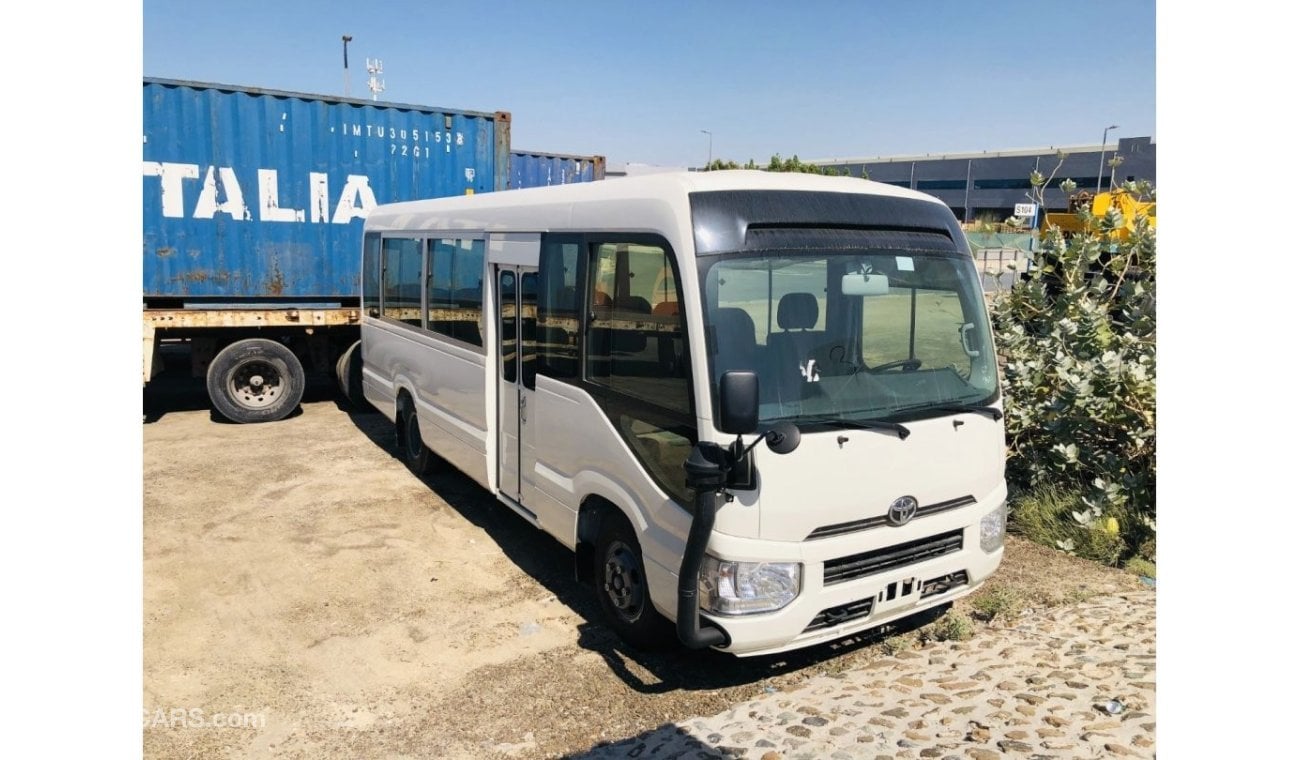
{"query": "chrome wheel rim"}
pixel 255 384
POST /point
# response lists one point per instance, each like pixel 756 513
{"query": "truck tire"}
pixel 255 380
pixel 624 590
pixel 348 372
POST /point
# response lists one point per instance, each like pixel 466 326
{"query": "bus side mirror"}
pixel 738 402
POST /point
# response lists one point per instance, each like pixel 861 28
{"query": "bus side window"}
pixel 664 295
pixel 371 275
pixel 402 280
pixel 455 287
pixel 630 348
pixel 557 310
pixel 467 291
pixel 635 349
pixel 441 255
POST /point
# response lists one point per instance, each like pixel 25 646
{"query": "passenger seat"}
pixel 790 349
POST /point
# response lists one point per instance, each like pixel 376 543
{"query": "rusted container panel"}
pixel 529 169
pixel 255 195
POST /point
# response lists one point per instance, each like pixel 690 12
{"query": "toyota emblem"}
pixel 901 511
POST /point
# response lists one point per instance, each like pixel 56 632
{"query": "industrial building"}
pixel 988 185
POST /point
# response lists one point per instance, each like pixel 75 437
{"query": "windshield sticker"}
pixel 809 372
pixel 905 264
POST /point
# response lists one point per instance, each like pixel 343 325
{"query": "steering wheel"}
pixel 907 365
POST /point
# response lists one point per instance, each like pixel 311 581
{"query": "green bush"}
pixel 953 626
pixel 1077 342
pixel 1047 515
pixel 897 643
pixel 997 601
pixel 1139 566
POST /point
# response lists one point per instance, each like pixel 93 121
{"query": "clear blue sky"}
pixel 638 81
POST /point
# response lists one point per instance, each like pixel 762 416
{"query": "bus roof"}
pixel 618 203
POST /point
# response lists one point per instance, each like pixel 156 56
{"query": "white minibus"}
pixel 607 358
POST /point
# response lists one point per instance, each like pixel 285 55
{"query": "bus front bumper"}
pixel 848 604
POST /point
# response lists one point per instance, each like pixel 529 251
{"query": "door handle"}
pixel 523 408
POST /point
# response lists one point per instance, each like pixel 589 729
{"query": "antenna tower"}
pixel 376 85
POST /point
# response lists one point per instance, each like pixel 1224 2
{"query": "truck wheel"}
pixel 255 380
pixel 348 372
pixel 415 455
pixel 623 589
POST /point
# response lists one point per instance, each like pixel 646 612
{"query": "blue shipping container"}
pixel 543 169
pixel 256 194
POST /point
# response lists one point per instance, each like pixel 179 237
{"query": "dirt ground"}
pixel 297 573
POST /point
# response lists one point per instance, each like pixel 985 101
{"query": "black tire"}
pixel 622 588
pixel 256 380
pixel 348 373
pixel 410 446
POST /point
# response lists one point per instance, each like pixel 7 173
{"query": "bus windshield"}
pixel 838 334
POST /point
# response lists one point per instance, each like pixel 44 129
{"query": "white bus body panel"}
pixel 519 249
pixel 826 481
pixel 448 385
pixel 579 454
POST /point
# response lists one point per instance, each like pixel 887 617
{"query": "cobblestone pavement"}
pixel 1076 681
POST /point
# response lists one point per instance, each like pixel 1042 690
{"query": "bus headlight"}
pixel 993 528
pixel 740 588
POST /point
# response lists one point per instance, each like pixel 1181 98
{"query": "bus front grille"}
pixel 944 583
pixel 840 529
pixel 882 560
pixel 841 614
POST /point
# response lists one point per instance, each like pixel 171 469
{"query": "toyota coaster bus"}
pixel 606 358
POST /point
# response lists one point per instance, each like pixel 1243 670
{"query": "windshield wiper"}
pixel 893 427
pixel 991 411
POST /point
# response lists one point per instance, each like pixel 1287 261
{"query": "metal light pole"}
pixel 1101 166
pixel 347 82
pixel 710 134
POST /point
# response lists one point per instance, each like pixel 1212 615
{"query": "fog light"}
pixel 740 588
pixel 993 529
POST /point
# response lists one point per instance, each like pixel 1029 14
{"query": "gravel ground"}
pixel 1073 682
pixel 297 574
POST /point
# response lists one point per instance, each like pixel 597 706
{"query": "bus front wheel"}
pixel 623 589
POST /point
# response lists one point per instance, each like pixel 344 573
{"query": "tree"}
pixel 777 164
pixel 1077 338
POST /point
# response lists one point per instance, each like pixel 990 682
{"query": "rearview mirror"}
pixel 864 284
pixel 738 402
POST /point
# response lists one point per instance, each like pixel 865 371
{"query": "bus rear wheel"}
pixel 348 373
pixel 410 445
pixel 255 380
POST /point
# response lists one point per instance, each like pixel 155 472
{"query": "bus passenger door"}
pixel 516 453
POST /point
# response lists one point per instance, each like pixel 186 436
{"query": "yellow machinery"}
pixel 1126 203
